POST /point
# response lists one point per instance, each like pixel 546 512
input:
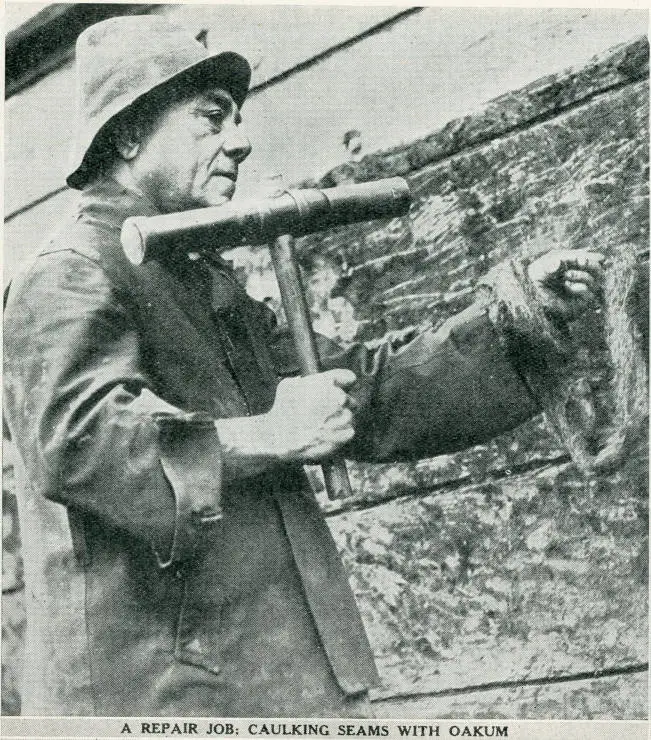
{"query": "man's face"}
pixel 189 158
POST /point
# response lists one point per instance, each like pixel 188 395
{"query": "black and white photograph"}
pixel 325 380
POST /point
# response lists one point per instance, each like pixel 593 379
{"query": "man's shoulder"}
pixel 93 240
pixel 76 247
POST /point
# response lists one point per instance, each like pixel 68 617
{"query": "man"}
pixel 176 561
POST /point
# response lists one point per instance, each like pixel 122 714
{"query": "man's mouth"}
pixel 230 175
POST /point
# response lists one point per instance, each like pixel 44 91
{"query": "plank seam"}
pixel 451 484
pixel 36 202
pixel 462 145
pixel 523 126
pixel 516 683
pixel 332 50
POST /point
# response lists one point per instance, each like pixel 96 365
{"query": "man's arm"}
pixel 477 375
pixel 443 391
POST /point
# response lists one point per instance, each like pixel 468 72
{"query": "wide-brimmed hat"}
pixel 122 59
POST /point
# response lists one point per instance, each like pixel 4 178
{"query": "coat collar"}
pixel 110 203
pixel 187 282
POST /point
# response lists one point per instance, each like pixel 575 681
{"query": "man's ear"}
pixel 127 138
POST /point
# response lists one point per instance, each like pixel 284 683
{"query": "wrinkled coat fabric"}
pixel 157 583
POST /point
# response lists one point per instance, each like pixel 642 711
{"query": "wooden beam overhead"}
pixel 47 40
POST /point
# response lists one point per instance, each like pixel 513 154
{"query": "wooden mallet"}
pixel 276 221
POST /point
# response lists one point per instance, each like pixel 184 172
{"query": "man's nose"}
pixel 236 145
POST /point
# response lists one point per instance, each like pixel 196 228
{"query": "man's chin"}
pixel 209 197
pixel 218 191
pixel 213 201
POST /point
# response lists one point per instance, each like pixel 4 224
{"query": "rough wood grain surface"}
pixel 542 99
pixel 534 576
pixel 502 576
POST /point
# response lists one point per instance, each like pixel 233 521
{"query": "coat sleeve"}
pixel 91 431
pixel 460 385
pixel 441 392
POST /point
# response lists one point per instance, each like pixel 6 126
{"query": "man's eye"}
pixel 216 117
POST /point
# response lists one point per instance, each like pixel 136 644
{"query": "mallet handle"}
pixel 335 474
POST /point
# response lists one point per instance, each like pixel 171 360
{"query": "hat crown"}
pixel 130 40
pixel 119 58
pixel 123 58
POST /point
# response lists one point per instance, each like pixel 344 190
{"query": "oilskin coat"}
pixel 158 583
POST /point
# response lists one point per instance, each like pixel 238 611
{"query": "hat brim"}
pixel 227 70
